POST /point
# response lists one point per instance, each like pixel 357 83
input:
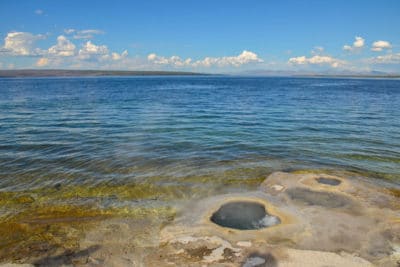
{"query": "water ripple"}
pixel 88 131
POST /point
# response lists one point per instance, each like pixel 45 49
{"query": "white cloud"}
pixel 358 43
pixel 22 43
pixel 318 50
pixel 42 62
pixel 152 57
pixel 245 57
pixel 385 59
pixel 317 60
pixel 380 45
pixel 174 61
pixel 69 31
pixel 39 12
pixel 63 48
pixel 116 56
pixel 64 53
pixel 87 34
pixel 90 50
pixel 347 48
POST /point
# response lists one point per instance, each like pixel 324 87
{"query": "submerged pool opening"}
pixel 244 215
pixel 328 181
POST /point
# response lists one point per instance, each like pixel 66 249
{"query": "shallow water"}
pixel 134 146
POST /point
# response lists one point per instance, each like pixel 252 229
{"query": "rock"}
pixel 305 258
pixel 277 187
pixel 244 244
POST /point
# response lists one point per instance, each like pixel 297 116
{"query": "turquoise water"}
pixel 191 131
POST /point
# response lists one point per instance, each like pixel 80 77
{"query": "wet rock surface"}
pixel 323 199
pixel 328 181
pixel 352 223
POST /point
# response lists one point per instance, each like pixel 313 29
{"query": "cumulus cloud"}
pixel 22 44
pixel 64 52
pixel 380 45
pixel 39 12
pixel 317 60
pixel 87 34
pixel 90 50
pixel 174 61
pixel 42 62
pixel 358 43
pixel 63 48
pixel 245 57
pixel 385 59
pixel 116 56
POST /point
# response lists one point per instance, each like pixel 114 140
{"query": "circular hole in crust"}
pixel 244 215
pixel 328 181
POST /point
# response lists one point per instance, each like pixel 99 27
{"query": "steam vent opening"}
pixel 244 215
pixel 328 181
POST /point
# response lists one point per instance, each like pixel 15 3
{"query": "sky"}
pixel 206 36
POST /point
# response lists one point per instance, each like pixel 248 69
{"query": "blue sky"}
pixel 214 36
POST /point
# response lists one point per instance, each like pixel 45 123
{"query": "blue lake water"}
pixel 193 132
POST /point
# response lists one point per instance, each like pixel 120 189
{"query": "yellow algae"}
pixel 310 171
pixel 45 229
pixel 235 174
pixel 122 192
pixel 394 191
pixel 46 220
pixel 245 182
pixel 10 198
pixel 21 240
pixel 24 199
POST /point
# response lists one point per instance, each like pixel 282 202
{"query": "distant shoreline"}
pixel 30 73
pixel 49 73
pixel 351 76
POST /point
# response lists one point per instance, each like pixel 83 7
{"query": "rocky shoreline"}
pixel 324 220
